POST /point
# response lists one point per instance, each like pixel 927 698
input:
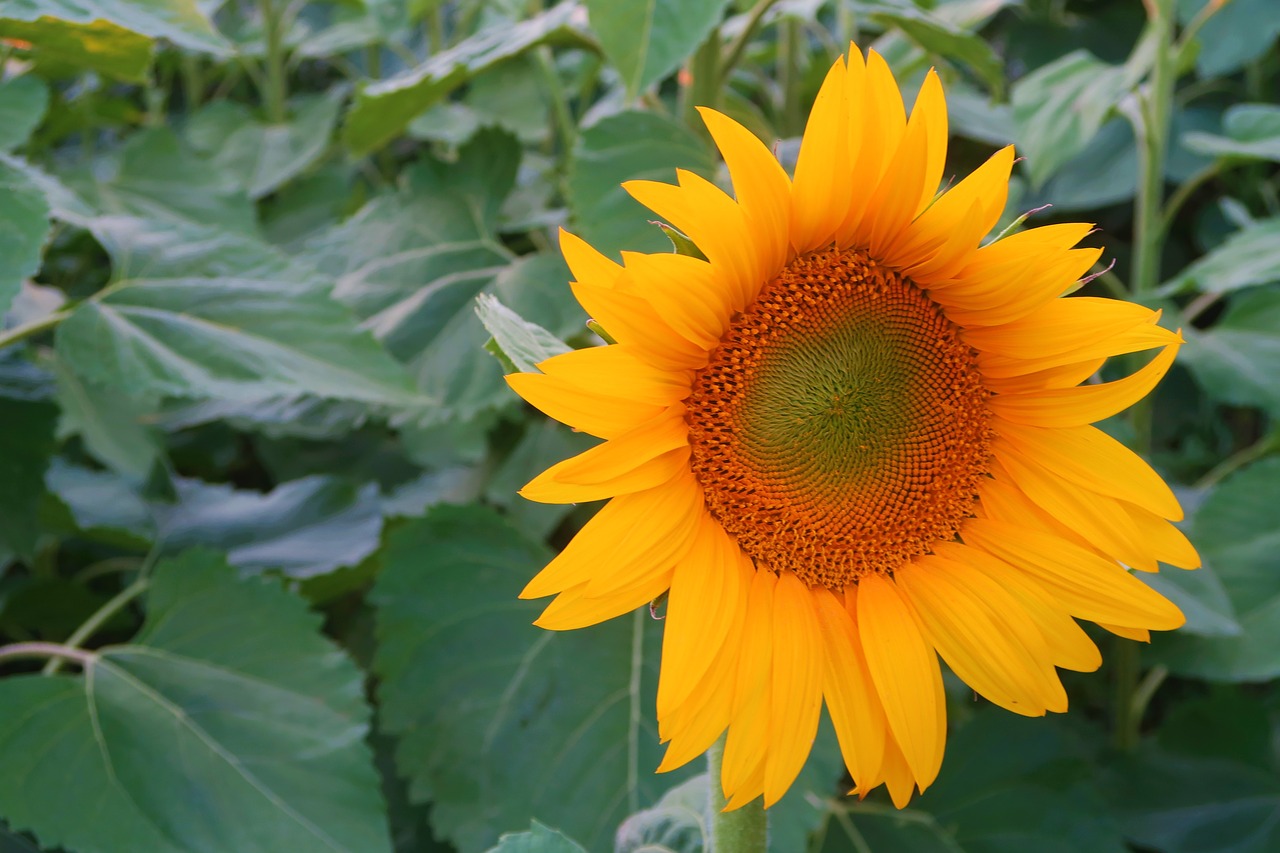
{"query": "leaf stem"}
pixel 274 86
pixel 94 622
pixel 1124 733
pixel 739 44
pixel 34 327
pixel 1265 446
pixel 57 651
pixel 743 830
pixel 1152 130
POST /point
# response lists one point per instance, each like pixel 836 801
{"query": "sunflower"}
pixel 851 440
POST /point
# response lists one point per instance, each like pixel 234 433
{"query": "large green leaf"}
pixel 179 21
pixel 1237 33
pixel 940 37
pixel 539 839
pixel 1248 258
pixel 230 723
pixel 497 719
pixel 24 228
pixel 61 48
pixel 1252 132
pixel 28 443
pixel 518 344
pixel 1237 361
pixel 647 41
pixel 23 101
pixel 110 424
pixel 1236 532
pixel 1059 107
pixel 384 109
pixel 622 147
pixel 302 528
pixel 260 155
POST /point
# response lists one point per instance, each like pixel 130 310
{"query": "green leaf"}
pixel 677 822
pixel 1238 33
pixel 1248 258
pixel 544 443
pixel 628 146
pixel 941 38
pixel 1235 531
pixel 264 156
pixel 109 423
pixel 13 843
pixel 230 723
pixel 242 322
pixel 1201 597
pixel 1059 107
pixel 539 839
pixel 411 264
pixel 1238 359
pixel 63 49
pixel 302 528
pixel 24 228
pixel 1252 133
pixel 647 41
pixel 383 110
pixel 23 101
pixel 179 21
pixel 535 722
pixel 522 343
pixel 29 443
pixel 102 505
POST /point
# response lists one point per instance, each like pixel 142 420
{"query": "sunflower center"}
pixel 841 425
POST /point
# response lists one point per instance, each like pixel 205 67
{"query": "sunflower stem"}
pixel 1152 128
pixel 743 830
pixel 1124 733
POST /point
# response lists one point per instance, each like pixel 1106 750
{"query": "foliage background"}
pixel 259 544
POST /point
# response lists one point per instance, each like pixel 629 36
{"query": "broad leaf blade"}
pixel 179 21
pixel 647 41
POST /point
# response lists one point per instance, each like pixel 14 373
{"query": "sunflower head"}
pixel 849 440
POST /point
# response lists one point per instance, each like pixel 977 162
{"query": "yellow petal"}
pixel 1166 543
pixel 760 184
pixel 898 776
pixel 905 672
pixel 851 697
pixel 586 263
pixel 876 123
pixel 708 592
pixel 1089 457
pixel 746 743
pixel 1141 635
pixel 1089 586
pixel 630 535
pixel 821 190
pixel 688 293
pixel 573 609
pixel 590 411
pixel 1078 406
pixel 796 686
pixel 617 367
pixel 633 321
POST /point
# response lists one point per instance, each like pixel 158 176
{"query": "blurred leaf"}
pixel 675 823
pixel 940 38
pixel 536 722
pixel 24 228
pixel 521 343
pixel 977 116
pixel 412 263
pixel 1238 33
pixel 1252 133
pixel 1237 361
pixel 544 443
pixel 245 323
pixel 155 175
pixel 23 101
pixel 302 528
pixel 260 155
pixel 622 147
pixel 109 423
pixel 103 505
pixel 382 110
pixel 230 723
pixel 11 842
pixel 1201 597
pixel 1194 727
pixel 179 21
pixel 647 41
pixel 1012 783
pixel 1248 258
pixel 1059 107
pixel 29 442
pixel 513 95
pixel 1235 530
pixel 540 839
pixel 60 48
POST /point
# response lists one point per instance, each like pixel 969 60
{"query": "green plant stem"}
pixel 100 616
pixel 435 28
pixel 743 830
pixel 1152 130
pixel 1184 191
pixel 1263 447
pixel 40 651
pixel 704 90
pixel 1124 732
pixel 35 327
pixel 566 127
pixel 790 74
pixel 739 44
pixel 274 93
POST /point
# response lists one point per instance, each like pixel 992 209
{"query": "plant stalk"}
pixel 274 93
pixel 35 327
pixel 100 616
pixel 743 830
pixel 1153 147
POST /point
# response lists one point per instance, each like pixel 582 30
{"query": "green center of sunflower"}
pixel 841 426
